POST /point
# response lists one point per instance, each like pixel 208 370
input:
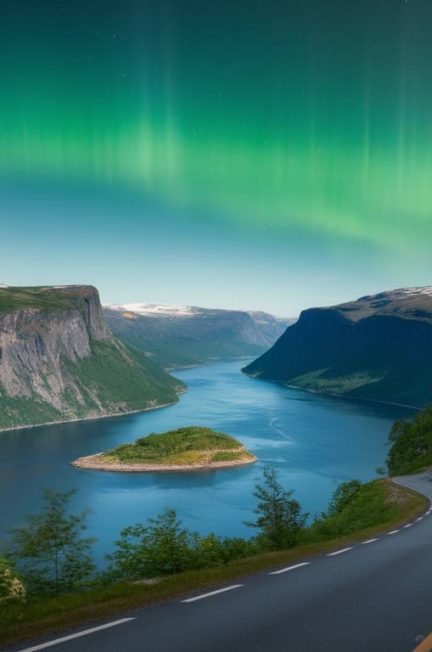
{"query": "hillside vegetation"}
pixel 378 347
pixel 41 298
pixel 59 360
pixel 195 335
pixel 411 444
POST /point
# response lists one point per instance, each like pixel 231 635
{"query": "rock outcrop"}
pixel 60 361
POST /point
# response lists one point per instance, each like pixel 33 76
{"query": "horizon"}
pixel 129 304
pixel 283 170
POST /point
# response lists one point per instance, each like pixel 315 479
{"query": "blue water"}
pixel 314 442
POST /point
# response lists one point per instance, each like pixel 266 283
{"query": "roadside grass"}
pixel 381 507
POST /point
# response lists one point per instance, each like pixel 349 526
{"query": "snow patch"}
pixel 153 309
pixel 427 290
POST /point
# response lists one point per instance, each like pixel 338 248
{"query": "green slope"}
pixel 377 347
pixel 59 361
pixel 115 379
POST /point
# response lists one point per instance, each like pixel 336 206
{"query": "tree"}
pixel 49 551
pixel 342 496
pixel 397 429
pixel 161 548
pixel 280 518
pixel 411 443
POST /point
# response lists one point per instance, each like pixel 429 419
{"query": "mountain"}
pixel 378 347
pixel 59 360
pixel 179 336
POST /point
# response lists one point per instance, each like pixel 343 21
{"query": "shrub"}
pixel 11 587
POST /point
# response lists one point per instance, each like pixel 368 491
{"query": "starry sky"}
pixel 265 154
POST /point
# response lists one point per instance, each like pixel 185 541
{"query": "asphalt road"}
pixel 373 597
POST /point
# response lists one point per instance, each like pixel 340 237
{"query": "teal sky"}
pixel 254 154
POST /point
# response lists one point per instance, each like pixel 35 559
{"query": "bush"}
pixel 368 506
pixel 164 547
pixel 11 587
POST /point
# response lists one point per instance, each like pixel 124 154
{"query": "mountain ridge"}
pixel 378 347
pixel 180 336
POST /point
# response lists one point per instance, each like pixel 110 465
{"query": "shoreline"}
pixel 351 398
pixel 345 397
pixel 93 418
pixel 97 463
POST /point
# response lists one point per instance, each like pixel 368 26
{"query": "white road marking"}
pixel 289 568
pixel 393 532
pixel 85 632
pixel 407 525
pixel 370 541
pixel 339 552
pixel 208 595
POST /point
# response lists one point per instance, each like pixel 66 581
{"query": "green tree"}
pixel 279 517
pixel 397 430
pixel 162 547
pixel 342 496
pixel 50 551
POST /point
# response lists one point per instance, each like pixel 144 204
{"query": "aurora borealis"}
pixel 254 154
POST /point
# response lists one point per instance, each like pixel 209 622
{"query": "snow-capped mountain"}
pixel 184 335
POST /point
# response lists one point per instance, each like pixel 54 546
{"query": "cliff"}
pixel 59 360
pixel 378 347
pixel 177 336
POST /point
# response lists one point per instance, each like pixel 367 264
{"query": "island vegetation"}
pixel 185 449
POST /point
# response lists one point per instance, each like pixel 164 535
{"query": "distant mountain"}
pixel 378 347
pixel 178 336
pixel 59 360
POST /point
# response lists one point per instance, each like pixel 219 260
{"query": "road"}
pixel 375 596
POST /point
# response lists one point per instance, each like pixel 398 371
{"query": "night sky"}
pixel 257 154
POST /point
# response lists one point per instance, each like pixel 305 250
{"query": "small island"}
pixel 186 449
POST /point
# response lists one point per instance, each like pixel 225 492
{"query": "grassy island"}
pixel 186 449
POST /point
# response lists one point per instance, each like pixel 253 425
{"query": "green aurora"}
pixel 302 120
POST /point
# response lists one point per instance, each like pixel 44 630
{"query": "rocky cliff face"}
pixel 379 347
pixel 178 336
pixel 34 342
pixel 59 360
